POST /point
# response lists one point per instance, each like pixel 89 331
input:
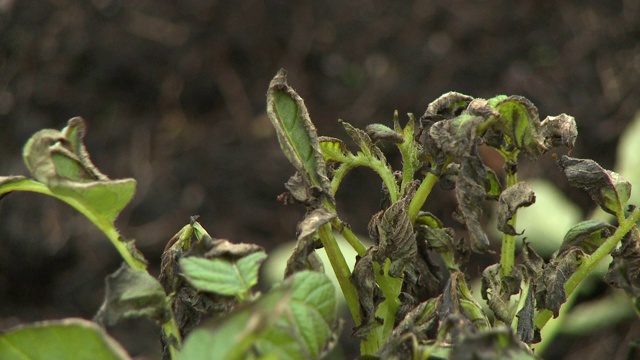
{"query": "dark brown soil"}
pixel 174 96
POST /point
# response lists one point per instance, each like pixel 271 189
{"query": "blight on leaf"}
pixel 297 135
pixel 608 189
pixel 132 293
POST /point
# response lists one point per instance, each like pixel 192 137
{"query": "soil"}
pixel 174 96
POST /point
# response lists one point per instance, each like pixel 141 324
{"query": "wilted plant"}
pixel 408 293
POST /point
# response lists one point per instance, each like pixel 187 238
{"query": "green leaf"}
pixel 334 150
pixel 587 235
pixel 296 133
pixel 223 276
pixel 608 189
pixel 627 159
pixel 60 339
pixel 132 293
pixel 60 160
pixel 294 320
pixel 519 121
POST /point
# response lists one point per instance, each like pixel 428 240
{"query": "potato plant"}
pixel 409 293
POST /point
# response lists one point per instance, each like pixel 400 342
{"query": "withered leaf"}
pixel 456 138
pixel 587 235
pixel 446 106
pixel 559 130
pixel 360 137
pixel 305 244
pixel 532 263
pixel 300 190
pixel 526 331
pixel 497 290
pixel 132 293
pixel 470 193
pixel 607 188
pixel 383 132
pixel 497 343
pixel 395 237
pixel 549 285
pixel 512 198
pixel 370 296
pixel 624 270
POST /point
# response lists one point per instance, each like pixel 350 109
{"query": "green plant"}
pixel 408 293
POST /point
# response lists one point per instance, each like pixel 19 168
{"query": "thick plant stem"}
pixel 421 195
pixel 341 270
pixel 508 249
pixel 589 263
pixel 170 329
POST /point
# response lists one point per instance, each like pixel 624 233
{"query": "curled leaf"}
pixel 369 149
pixel 497 343
pixel 305 245
pixel 514 197
pixel 393 232
pixel 559 130
pixel 519 121
pixel 549 285
pixel 470 193
pixel 497 290
pixel 587 235
pixel 363 279
pixel 607 188
pixel 624 270
pixel 296 133
pixel 132 293
pixel 446 106
pixel 526 330
pixel 383 132
pixel 334 149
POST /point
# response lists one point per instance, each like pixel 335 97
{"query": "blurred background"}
pixel 174 96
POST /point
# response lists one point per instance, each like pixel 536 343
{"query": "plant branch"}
pixel 508 248
pixel 341 270
pixel 421 196
pixel 590 262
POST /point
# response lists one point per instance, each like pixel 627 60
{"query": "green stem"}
pixel 421 196
pixel 508 249
pixel 341 270
pixel 351 238
pixel 590 262
pixel 170 329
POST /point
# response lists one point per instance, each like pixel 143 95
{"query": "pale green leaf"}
pixel 60 339
pixel 223 276
pixel 296 133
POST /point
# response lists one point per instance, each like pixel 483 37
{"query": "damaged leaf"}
pixel 497 290
pixel 624 270
pixel 549 285
pixel 296 133
pixel 587 235
pixel 559 130
pixel 608 189
pixel 383 132
pixel 368 148
pixel 363 279
pixel 470 193
pixel 519 121
pixel 305 245
pixel 511 199
pixel 60 160
pixel 334 150
pixel 132 293
pixel 393 232
pixel 526 330
pixel 497 343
